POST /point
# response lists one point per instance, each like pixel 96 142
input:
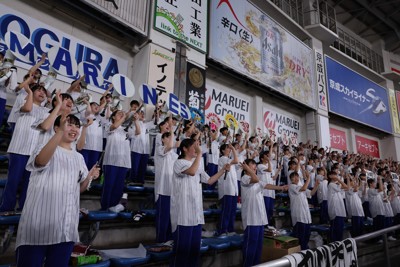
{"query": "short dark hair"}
pixel 293 174
pixel 186 143
pixel 134 102
pixel 70 118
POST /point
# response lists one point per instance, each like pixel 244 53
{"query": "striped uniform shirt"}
pixel 214 156
pixel 117 151
pixel 335 201
pixel 266 177
pixel 299 209
pixel 376 202
pixel 94 135
pixel 19 101
pixel 253 207
pixel 25 137
pixel 51 211
pixel 227 185
pixel 353 204
pixel 163 171
pixel 186 197
pixel 141 143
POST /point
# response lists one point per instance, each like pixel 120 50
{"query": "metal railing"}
pixel 283 262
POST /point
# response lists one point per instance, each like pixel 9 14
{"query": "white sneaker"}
pixel 391 238
pixel 117 208
pixel 231 233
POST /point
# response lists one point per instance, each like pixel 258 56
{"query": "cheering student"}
pixel 322 194
pixel 228 189
pixel 23 143
pixel 48 227
pixel 187 203
pixel 254 216
pixel 166 158
pixel 264 171
pixel 116 162
pixel 336 209
pixel 354 206
pixel 35 74
pixel 299 209
pixel 140 148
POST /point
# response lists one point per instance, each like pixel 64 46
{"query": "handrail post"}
pixel 386 248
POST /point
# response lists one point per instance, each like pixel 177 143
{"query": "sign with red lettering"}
pixel 367 146
pixel 338 139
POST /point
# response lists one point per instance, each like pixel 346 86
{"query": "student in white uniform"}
pixel 336 209
pixel 354 206
pixel 299 209
pixel 241 152
pixel 322 194
pixel 166 158
pixel 264 171
pixel 254 216
pixel 48 227
pixel 140 150
pixel 394 191
pixel 187 203
pixel 116 162
pixel 227 189
pixel 375 197
pixel 23 143
pixel 213 157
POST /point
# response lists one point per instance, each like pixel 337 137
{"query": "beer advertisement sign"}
pixel 251 43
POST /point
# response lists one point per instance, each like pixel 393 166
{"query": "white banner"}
pixel 281 124
pixel 43 37
pixel 321 83
pixel 221 103
pixel 161 71
pixel 184 20
pixel 251 43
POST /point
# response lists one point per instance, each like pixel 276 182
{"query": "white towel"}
pixel 336 254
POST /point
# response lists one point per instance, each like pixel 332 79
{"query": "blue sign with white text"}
pixel 355 97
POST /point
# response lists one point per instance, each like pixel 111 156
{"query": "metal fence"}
pixel 283 262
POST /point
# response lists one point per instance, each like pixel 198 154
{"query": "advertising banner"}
pixel 398 102
pixel 338 139
pixel 161 71
pixel 281 125
pixel 357 98
pixel 72 51
pixel 367 146
pixel 195 87
pixel 321 84
pixel 251 43
pixel 183 20
pixel 219 103
pixel 394 111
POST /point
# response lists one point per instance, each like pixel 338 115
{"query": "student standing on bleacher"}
pixel 140 147
pixel 164 159
pixel 254 216
pixel 299 208
pixel 117 161
pixel 336 209
pixel 322 194
pixel 228 189
pixel 48 227
pixel 23 143
pixel 187 203
pixel 354 206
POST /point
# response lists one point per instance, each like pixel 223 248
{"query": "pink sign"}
pixel 367 146
pixel 338 139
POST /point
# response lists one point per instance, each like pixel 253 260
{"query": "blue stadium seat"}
pixel 3 158
pixel 134 188
pixel 101 215
pixel 125 215
pixel 207 212
pixel 159 256
pixel 7 220
pixel 3 182
pixel 99 264
pixel 216 211
pixel 210 192
pixel 320 228
pixel 150 213
pixel 215 243
pixel 203 247
pixel 282 195
pixel 127 262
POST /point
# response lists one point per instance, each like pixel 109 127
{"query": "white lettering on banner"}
pixel 222 103
pixel 43 37
pixel 353 95
pixel 21 47
pixel 280 124
pixel 148 95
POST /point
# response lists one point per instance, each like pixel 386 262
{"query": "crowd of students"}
pixel 52 151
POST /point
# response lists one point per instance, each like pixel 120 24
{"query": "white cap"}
pixel 125 195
